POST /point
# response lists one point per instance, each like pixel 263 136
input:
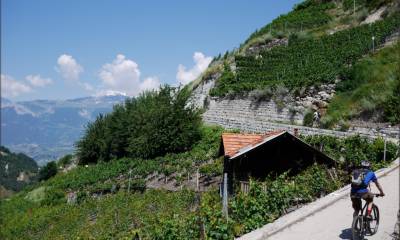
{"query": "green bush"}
pixel 48 171
pixel 392 105
pixel 65 160
pixel 212 169
pixel 260 207
pixel 308 119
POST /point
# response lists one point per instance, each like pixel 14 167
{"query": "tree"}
pixel 65 160
pixel 150 125
pixel 48 171
pixel 391 106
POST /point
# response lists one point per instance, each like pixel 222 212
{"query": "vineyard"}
pixel 159 136
pixel 370 88
pixel 102 176
pixel 41 212
pixel 306 62
pixel 306 15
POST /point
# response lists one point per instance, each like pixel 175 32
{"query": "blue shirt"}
pixel 370 176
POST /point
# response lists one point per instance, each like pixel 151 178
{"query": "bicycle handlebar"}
pixel 377 194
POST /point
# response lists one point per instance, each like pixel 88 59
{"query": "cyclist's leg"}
pixel 369 198
pixel 356 203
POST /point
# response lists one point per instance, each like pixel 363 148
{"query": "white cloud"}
pixel 85 114
pixel 38 81
pixel 86 86
pixel 201 63
pixel 123 75
pixel 13 88
pixel 69 68
pixel 150 83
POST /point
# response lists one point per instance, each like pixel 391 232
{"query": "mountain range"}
pixel 47 129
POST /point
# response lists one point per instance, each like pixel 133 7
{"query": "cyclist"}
pixel 361 178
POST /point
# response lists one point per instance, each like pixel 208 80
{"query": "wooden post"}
pixel 129 182
pixel 197 180
pixel 225 196
pixel 384 149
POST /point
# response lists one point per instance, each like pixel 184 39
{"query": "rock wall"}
pixel 200 93
pixel 242 110
pixel 247 123
pixel 283 111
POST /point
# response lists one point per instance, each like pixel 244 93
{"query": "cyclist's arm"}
pixel 379 187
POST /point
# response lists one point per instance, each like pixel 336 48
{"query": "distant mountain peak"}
pixel 5 102
pixel 110 93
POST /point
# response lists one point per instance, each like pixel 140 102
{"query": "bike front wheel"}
pixel 373 223
pixel 357 228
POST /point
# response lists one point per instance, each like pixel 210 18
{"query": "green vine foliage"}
pixel 306 62
pixel 306 15
pixel 258 207
pixel 158 214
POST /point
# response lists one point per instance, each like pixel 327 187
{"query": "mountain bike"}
pixel 364 225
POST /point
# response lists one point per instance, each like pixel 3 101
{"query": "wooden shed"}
pixel 259 155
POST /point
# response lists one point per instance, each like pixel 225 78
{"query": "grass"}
pixel 366 87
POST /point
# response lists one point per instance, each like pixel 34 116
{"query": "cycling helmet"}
pixel 365 164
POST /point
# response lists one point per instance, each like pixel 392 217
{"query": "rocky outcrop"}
pixel 375 16
pixel 201 92
pixel 257 48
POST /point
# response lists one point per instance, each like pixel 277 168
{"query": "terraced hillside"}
pixel 292 61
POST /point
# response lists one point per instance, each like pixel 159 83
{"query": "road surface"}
pixel 334 222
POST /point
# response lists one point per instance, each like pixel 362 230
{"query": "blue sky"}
pixel 68 49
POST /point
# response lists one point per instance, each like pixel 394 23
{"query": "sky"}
pixel 72 48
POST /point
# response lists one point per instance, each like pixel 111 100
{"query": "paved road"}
pixel 334 222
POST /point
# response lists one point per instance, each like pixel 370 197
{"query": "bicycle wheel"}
pixel 373 223
pixel 357 228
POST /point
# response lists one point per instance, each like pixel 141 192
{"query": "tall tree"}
pixel 151 125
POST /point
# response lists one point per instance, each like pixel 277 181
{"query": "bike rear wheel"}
pixel 357 228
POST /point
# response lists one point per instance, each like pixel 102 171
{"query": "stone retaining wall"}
pixel 239 114
pixel 243 109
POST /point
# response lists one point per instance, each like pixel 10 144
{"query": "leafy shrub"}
pixel 65 160
pixel 259 207
pixel 261 94
pixel 48 171
pixel 353 149
pixel 53 196
pixel 392 105
pixel 227 77
pixel 308 119
pixel 212 169
pixel 216 225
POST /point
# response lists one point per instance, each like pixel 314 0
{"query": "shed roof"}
pixel 235 143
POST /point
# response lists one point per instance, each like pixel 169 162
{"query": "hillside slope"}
pixel 296 64
pixel 16 171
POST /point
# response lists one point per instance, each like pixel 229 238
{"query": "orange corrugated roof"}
pixel 233 142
